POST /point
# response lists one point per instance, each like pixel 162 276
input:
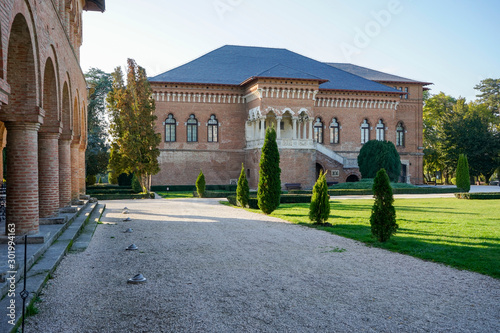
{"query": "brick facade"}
pixel 39 77
pixel 300 110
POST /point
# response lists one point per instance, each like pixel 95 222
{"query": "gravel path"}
pixel 213 268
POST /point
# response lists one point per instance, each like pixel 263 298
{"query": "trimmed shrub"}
pixel 243 190
pixel 90 180
pixel 136 186
pixel 383 217
pixel 269 191
pixel 200 184
pixel 100 180
pixel 463 177
pixel 125 179
pixel 376 155
pixel 319 209
pixel 478 196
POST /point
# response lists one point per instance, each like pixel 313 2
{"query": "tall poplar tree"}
pixel 135 144
pixel 97 153
pixel 269 191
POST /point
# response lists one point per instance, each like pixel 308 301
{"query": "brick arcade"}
pixel 43 112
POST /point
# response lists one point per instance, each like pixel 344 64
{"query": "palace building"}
pixel 43 107
pixel 213 112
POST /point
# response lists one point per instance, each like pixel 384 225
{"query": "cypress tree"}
pixel 319 209
pixel 269 191
pixel 200 184
pixel 463 178
pixel 242 191
pixel 136 186
pixel 383 218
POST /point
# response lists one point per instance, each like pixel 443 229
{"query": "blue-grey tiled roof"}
pixel 234 65
pixel 372 74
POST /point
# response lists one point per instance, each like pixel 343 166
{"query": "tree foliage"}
pixel 375 155
pixel 490 96
pixel 462 175
pixel 383 217
pixel 97 153
pixel 242 190
pixel 136 186
pixel 200 184
pixel 269 191
pixel 319 209
pixel 135 144
pixel 453 127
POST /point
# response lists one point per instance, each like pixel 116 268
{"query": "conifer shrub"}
pixel 242 191
pixel 269 191
pixel 319 209
pixel 375 155
pixel 462 174
pixel 90 180
pixel 100 180
pixel 200 185
pixel 136 186
pixel 383 217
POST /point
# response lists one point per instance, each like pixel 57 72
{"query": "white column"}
pixel 262 128
pixel 310 129
pixel 294 124
pixel 278 127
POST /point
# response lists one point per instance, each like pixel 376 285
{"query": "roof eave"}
pixel 95 5
pixel 404 82
pixel 254 78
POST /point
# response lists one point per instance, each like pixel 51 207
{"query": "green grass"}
pixel 367 184
pixel 461 233
pixel 175 194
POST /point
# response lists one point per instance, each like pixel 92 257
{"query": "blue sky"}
pixel 453 44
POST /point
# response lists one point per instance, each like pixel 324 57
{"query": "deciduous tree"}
pixel 135 143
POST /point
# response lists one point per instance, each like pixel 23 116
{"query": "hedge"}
pixel 190 188
pixel 122 196
pixel 478 196
pixel 285 198
pixel 215 194
pixel 419 190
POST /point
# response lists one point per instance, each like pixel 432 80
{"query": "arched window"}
pixel 170 125
pixel 192 129
pixel 365 132
pixel 334 131
pixel 380 130
pixel 400 135
pixel 318 131
pixel 213 129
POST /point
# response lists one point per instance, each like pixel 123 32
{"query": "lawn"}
pixel 461 233
pixel 175 194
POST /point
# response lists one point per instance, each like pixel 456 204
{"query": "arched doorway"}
pixel 319 169
pixel 21 120
pixel 352 179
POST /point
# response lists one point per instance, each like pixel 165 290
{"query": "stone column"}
pixel 262 128
pixel 64 172
pixel 48 162
pixel 294 124
pixel 278 127
pixel 22 177
pixel 310 121
pixel 75 157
